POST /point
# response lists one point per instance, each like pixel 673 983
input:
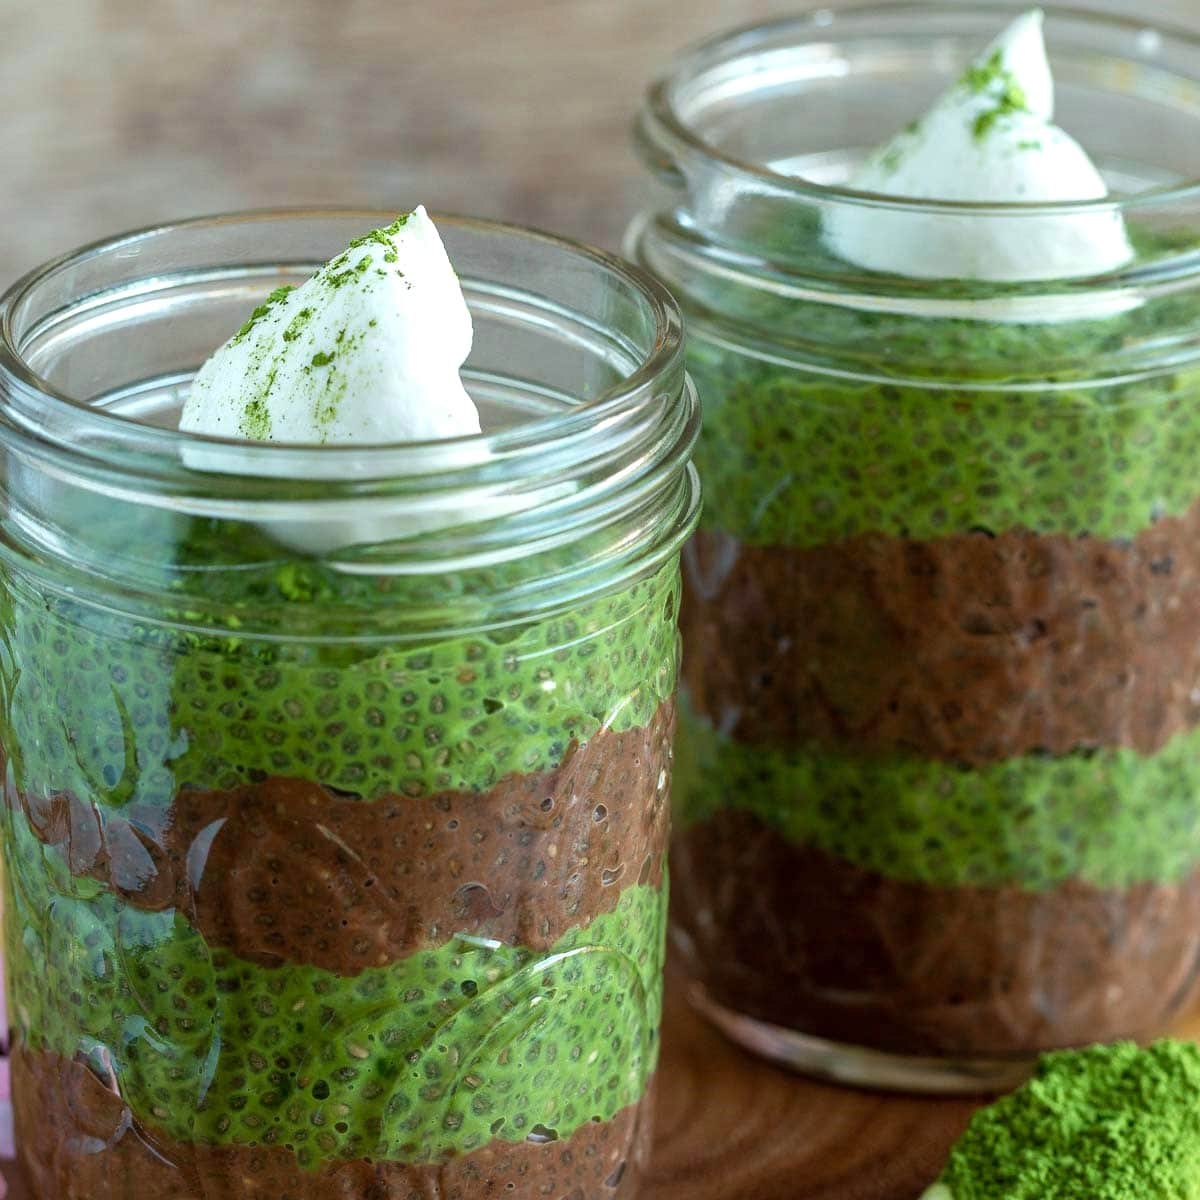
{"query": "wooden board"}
pixel 731 1127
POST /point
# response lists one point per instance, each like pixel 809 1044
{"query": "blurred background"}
pixel 126 112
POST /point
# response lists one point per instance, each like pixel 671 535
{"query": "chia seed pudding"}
pixel 938 759
pixel 333 875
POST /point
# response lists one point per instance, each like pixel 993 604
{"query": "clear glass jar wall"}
pixel 338 874
pixel 937 775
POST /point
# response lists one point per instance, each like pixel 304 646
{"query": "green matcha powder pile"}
pixel 1110 1122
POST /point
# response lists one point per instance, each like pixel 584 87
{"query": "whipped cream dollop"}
pixel 989 138
pixel 366 351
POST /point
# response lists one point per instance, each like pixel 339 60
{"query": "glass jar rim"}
pixel 670 136
pixel 604 468
pixel 384 460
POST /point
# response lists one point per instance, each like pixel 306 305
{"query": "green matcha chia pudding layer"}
pixel 339 873
pixel 939 746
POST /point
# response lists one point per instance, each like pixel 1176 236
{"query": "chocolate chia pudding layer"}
pixel 971 648
pixel 793 936
pixel 286 871
pixel 79 1141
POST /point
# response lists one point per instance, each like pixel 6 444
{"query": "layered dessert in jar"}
pixel 335 825
pixel 937 769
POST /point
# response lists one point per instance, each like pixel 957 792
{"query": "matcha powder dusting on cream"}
pixel 990 138
pixel 366 351
pixel 1111 1122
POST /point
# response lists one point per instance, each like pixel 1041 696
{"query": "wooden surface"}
pixel 118 112
pixel 731 1127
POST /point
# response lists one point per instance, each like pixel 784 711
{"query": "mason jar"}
pixel 336 776
pixel 938 773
